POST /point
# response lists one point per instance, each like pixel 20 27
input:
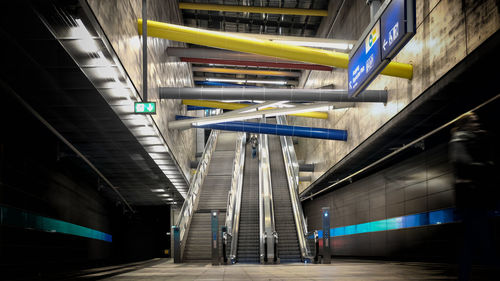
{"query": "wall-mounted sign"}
pixel 393 26
pixel 397 24
pixel 366 62
pixel 145 107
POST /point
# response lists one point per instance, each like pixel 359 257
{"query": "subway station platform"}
pixel 249 140
pixel 340 269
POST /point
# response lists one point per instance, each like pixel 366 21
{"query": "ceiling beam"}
pixel 247 81
pixel 246 71
pixel 285 65
pixel 253 9
pixel 241 20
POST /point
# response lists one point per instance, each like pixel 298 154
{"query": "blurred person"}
pixel 474 191
pixel 254 142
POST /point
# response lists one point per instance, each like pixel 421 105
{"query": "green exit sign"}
pixel 145 107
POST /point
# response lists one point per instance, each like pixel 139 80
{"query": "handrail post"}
pixel 265 247
pixel 276 258
pixel 224 236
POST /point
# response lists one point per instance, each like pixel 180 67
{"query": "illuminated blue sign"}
pixel 397 24
pixel 366 62
pixel 393 28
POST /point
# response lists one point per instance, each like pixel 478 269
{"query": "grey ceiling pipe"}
pixel 306 167
pixel 330 95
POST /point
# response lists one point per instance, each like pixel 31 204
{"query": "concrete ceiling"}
pixel 41 72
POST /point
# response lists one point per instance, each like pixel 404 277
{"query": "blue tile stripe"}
pixel 26 220
pixel 415 220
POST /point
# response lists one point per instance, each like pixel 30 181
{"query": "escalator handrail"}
pixel 234 196
pixel 292 172
pixel 266 205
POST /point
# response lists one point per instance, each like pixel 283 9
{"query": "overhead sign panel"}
pixel 366 62
pixel 145 107
pixel 393 27
pixel 398 26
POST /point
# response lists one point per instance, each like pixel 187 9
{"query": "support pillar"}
pixel 325 214
pixel 214 217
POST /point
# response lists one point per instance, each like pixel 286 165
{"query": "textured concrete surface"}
pixel 118 19
pixel 338 270
pixel 447 31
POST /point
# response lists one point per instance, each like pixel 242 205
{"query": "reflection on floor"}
pixel 338 270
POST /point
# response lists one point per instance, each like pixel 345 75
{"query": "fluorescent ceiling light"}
pixel 155 156
pixel 163 195
pixel 267 82
pixel 338 46
pixel 168 168
pixel 155 148
pixel 158 190
pixel 274 82
pixel 150 141
pixel 87 43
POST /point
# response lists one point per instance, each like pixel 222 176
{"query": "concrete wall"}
pixel 447 31
pixel 118 19
pixel 420 184
pixel 40 176
pixel 42 180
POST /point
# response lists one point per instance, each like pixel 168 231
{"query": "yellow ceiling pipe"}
pixel 234 106
pixel 247 71
pixel 262 47
pixel 253 9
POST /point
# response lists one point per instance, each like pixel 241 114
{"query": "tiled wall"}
pixel 419 184
pixel 118 19
pixel 447 31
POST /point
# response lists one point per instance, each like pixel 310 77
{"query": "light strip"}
pixel 246 71
pixel 274 82
pixel 336 46
pixel 414 220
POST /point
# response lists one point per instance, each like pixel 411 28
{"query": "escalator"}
pixel 288 242
pixel 248 241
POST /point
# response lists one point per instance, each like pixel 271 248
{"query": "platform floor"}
pixel 338 270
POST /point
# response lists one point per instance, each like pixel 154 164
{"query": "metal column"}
pixel 177 244
pixel 214 217
pixel 325 214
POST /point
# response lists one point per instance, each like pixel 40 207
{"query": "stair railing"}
pixel 191 202
pixel 292 172
pixel 234 197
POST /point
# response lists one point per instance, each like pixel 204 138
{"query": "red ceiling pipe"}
pixel 258 63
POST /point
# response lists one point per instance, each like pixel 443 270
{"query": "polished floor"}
pixel 338 270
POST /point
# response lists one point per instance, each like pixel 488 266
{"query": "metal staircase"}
pixel 213 196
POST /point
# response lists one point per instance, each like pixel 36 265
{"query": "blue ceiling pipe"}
pixel 274 129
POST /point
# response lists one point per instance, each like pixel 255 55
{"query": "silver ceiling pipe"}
pixel 330 95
